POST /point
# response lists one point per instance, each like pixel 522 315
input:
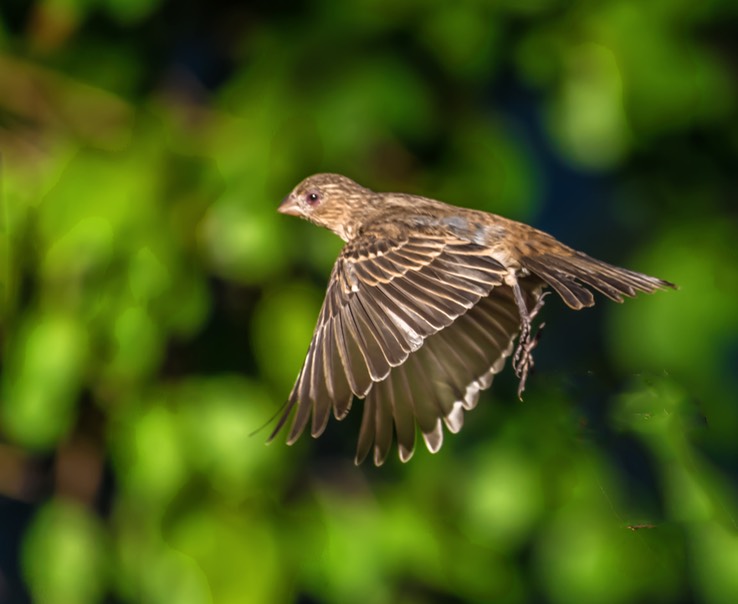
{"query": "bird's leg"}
pixel 523 358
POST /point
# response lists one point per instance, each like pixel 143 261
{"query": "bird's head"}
pixel 331 201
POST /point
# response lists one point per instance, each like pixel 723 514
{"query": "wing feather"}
pixel 446 375
pixel 385 298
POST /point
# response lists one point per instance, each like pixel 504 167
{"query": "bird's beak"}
pixel 290 206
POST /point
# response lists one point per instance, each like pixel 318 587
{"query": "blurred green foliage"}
pixel 154 308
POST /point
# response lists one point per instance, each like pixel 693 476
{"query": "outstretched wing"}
pixel 387 296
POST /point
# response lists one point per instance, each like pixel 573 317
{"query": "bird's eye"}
pixel 312 198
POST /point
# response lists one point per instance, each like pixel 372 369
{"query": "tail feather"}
pixel 568 276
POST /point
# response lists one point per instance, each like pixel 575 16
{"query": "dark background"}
pixel 155 309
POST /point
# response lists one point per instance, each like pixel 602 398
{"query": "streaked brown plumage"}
pixel 422 310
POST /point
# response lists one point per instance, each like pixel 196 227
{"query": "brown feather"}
pixel 422 309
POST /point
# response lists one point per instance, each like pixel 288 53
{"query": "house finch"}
pixel 423 307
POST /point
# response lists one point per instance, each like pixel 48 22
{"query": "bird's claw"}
pixel 523 358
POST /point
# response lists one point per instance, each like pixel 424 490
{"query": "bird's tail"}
pixel 571 276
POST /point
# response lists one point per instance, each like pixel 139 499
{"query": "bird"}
pixel 423 307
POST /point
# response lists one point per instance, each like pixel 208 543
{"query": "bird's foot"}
pixel 523 358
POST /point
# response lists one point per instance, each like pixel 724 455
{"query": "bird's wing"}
pixel 443 378
pixel 386 296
